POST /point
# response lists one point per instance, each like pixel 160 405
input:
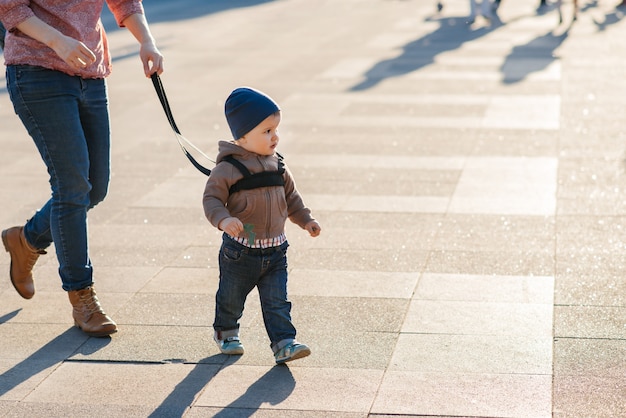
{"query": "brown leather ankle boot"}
pixel 23 258
pixel 88 314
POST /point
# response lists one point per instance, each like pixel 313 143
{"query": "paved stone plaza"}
pixel 469 180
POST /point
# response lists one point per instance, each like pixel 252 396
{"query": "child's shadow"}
pixel 273 387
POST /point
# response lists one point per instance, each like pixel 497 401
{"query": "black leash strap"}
pixel 158 86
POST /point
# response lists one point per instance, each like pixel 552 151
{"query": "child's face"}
pixel 263 139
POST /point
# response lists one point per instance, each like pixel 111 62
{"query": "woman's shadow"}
pixel 46 357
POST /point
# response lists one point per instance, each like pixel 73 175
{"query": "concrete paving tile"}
pixel 512 143
pixel 495 354
pixel 382 203
pixel 590 321
pixel 160 216
pixel 153 344
pixel 417 237
pixel 454 108
pixel 142 236
pixel 194 280
pixel 44 308
pixel 592 201
pixel 495 232
pixel 591 234
pixel 378 182
pixel 346 350
pixel 589 395
pixel 485 288
pixel 501 263
pixel 521 186
pixel 154 254
pixel 582 357
pixel 326 165
pixel 200 411
pixel 30 353
pixel 397 260
pixel 597 288
pixel 33 341
pixel 163 387
pixel 176 192
pixel 107 279
pixel 329 283
pixel 423 224
pixel 197 256
pixel 479 318
pixel 524 112
pixel 429 141
pixel 285 388
pixel 351 314
pixel 418 232
pixel 6 406
pixel 442 394
pixel 441 92
pixel 19 378
pixel 166 309
pixel 55 410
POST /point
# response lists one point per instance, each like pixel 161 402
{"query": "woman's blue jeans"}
pixel 243 268
pixel 68 119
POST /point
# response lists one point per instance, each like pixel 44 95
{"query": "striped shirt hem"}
pixel 261 243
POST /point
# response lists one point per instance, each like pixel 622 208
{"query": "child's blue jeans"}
pixel 243 268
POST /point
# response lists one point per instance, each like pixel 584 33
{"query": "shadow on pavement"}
pixel 451 34
pixel 168 10
pixel 532 57
pixel 273 387
pixel 9 316
pixel 184 394
pixel 49 355
pixel 610 18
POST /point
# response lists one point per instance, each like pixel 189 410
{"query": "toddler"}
pixel 249 195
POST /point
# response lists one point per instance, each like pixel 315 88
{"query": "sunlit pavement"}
pixel 469 180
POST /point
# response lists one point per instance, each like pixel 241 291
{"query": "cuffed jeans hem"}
pixel 223 334
pixel 73 287
pixel 281 344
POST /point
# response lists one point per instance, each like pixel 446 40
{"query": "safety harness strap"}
pixel 254 181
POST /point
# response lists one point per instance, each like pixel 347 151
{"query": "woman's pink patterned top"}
pixel 79 19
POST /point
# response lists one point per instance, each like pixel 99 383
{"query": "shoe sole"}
pixel 5 242
pixel 96 334
pixel 295 356
pixel 232 353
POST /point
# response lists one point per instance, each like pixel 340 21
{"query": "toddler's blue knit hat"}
pixel 245 108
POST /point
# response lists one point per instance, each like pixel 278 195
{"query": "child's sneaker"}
pixel 230 345
pixel 291 351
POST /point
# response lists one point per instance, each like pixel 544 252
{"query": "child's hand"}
pixel 232 226
pixel 313 228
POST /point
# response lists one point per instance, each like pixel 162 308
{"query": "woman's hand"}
pixel 73 52
pixel 149 54
pixel 151 58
